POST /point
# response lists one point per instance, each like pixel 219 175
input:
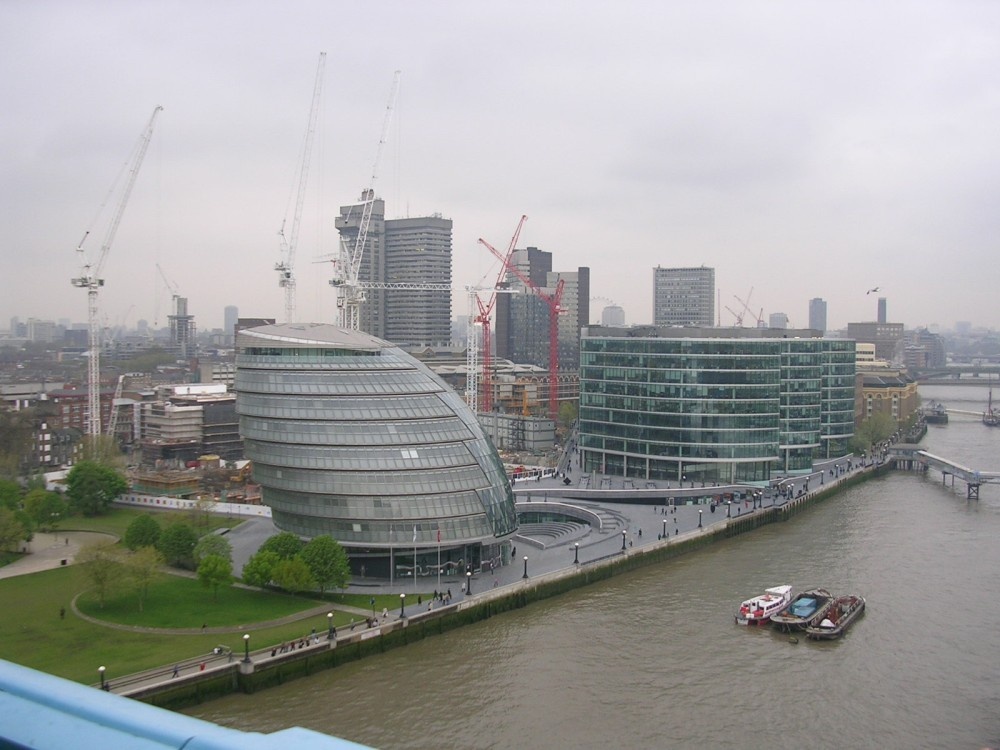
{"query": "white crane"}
pixel 90 279
pixel 286 266
pixel 350 294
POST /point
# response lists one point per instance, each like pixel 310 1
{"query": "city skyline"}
pixel 799 153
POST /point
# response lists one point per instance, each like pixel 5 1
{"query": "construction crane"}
pixel 286 266
pixel 172 288
pixel 350 295
pixel 113 422
pixel 90 279
pixel 554 302
pixel 482 316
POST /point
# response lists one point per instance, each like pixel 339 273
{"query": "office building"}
pixel 352 437
pixel 712 404
pixel 613 316
pixel 887 338
pixel 230 315
pixel 684 296
pixel 777 320
pixel 817 314
pixel 882 311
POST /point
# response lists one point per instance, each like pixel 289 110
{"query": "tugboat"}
pixel 758 609
pixel 936 414
pixel 807 609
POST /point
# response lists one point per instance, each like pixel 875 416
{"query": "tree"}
pixel 327 562
pixel 876 428
pixel 285 545
pixel 293 575
pixel 12 530
pixel 10 494
pixel 103 565
pixel 144 531
pixel 567 414
pixel 92 487
pixel 259 569
pixel 177 544
pixel 200 512
pixel 45 509
pixel 143 567
pixel 212 544
pixel 214 571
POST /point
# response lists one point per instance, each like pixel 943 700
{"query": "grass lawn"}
pixel 181 602
pixel 117 519
pixel 32 633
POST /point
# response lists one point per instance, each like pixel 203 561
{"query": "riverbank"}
pixel 268 667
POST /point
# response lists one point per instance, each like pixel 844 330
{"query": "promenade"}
pixel 625 527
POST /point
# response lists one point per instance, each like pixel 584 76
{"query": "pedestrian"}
pixel 62 613
pixel 419 599
pixel 201 667
pixel 177 671
pixel 385 612
pixel 640 533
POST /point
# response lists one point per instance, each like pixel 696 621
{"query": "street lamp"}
pixel 525 567
pixel 246 647
pixel 576 553
pixel 699 518
pixel 331 632
pixel 100 671
pixel 664 528
pixel 623 539
pixel 371 601
pixel 402 606
pixel 729 509
pixel 468 583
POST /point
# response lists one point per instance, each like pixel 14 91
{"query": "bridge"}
pixel 909 456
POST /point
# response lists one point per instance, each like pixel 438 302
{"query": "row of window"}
pixel 348 434
pixel 348 383
pixel 416 481
pixel 454 531
pixel 351 409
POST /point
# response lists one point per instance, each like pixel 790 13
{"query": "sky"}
pixel 802 149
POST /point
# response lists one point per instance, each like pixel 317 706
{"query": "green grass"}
pixel 180 602
pixel 32 634
pixel 117 519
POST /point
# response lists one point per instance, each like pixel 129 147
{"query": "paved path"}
pixel 47 551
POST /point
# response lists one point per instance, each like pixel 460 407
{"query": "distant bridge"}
pixel 910 456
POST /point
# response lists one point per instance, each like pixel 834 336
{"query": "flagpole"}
pixel 414 557
pixel 392 535
pixel 439 557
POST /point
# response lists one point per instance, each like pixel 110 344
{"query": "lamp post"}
pixel 331 633
pixel 371 601
pixel 100 671
pixel 246 647
pixel 729 509
pixel 624 534
pixel 525 567
pixel 576 553
pixel 468 583
pixel 402 606
pixel 664 528
pixel 699 518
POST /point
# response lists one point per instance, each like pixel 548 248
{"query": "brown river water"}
pixel 653 658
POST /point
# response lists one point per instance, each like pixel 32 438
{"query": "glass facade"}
pixel 661 405
pixel 352 437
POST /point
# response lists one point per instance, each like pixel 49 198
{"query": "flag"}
pixel 414 533
pixel 439 536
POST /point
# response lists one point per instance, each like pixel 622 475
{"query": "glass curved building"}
pixel 712 404
pixel 352 437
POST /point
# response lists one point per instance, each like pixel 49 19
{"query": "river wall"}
pixel 249 677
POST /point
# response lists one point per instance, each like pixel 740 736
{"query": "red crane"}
pixel 554 301
pixel 486 310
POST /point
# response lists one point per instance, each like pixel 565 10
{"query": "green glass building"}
pixel 712 404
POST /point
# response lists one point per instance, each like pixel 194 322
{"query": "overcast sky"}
pixel 802 149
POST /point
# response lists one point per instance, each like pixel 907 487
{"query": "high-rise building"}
pixel 418 252
pixel 522 320
pixel 613 316
pixel 817 314
pixel 411 251
pixel 684 296
pixel 230 316
pixel 882 311
pixel 777 320
pixel 182 328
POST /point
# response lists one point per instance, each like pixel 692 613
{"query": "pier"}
pixel 912 457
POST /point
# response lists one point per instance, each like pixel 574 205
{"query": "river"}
pixel 653 659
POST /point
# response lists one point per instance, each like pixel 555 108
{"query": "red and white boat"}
pixel 758 609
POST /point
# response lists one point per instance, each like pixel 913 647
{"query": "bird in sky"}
pixel 875 289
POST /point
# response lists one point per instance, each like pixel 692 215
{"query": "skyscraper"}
pixel 230 316
pixel 817 314
pixel 882 311
pixel 411 251
pixel 684 296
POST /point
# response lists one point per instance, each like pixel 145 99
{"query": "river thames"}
pixel 653 658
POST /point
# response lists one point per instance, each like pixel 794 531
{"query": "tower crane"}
pixel 286 266
pixel 554 302
pixel 350 295
pixel 172 288
pixel 481 316
pixel 90 279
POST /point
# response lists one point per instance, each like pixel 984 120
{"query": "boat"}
pixel 806 609
pixel 758 610
pixel 991 417
pixel 936 414
pixel 841 615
